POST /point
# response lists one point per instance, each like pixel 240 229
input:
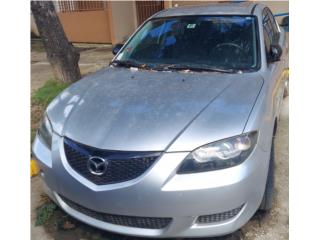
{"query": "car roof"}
pixel 226 8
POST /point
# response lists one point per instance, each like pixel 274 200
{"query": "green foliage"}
pixel 33 134
pixel 48 92
pixel 44 212
pixel 40 100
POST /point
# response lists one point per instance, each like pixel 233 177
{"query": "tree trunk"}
pixel 61 54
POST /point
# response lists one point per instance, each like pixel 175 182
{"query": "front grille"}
pixel 128 221
pixel 122 165
pixel 219 217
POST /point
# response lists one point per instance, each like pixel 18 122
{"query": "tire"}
pixel 267 199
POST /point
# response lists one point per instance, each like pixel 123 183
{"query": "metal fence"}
pixel 79 6
pixel 146 9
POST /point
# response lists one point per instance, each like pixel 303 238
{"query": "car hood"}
pixel 123 109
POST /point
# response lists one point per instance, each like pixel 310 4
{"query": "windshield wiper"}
pixel 163 67
pixel 127 63
pixel 200 68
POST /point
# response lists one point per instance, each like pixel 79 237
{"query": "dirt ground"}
pixel 92 58
pixel 271 226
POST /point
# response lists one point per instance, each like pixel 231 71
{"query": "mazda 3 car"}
pixel 175 137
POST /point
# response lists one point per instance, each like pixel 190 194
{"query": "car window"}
pixel 270 26
pixel 276 33
pixel 215 41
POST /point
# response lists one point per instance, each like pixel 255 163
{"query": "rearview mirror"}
pixel 116 48
pixel 275 53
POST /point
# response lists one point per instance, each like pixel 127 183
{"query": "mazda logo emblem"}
pixel 97 165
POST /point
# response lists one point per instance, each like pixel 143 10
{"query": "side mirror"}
pixel 275 53
pixel 116 48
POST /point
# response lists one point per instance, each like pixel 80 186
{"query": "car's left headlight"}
pixel 221 154
pixel 45 131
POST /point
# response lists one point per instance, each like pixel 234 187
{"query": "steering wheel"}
pixel 230 58
pixel 234 45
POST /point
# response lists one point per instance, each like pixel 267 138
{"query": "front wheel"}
pixel 267 199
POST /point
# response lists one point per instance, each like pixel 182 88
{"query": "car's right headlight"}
pixel 221 154
pixel 45 131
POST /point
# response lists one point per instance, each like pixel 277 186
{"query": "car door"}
pixel 274 36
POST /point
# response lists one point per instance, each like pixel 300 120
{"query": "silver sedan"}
pixel 175 137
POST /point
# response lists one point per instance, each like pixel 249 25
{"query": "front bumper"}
pixel 160 193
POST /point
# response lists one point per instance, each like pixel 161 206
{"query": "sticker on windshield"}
pixel 191 25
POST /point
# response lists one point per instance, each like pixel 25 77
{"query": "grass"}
pixel 44 212
pixel 40 100
pixel 48 92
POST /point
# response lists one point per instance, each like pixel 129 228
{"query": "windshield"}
pixel 222 42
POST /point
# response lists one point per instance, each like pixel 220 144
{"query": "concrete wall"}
pixel 86 26
pixel 277 7
pixel 124 20
pixel 119 20
pixel 33 25
pixel 112 25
